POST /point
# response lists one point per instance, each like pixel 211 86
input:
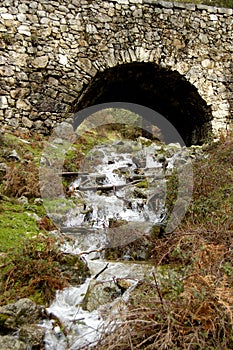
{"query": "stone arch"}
pixel 150 85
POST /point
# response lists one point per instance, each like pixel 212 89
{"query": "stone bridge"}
pixel 58 57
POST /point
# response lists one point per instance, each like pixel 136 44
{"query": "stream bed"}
pixel 119 199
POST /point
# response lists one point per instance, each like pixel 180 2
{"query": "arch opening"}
pixel 165 91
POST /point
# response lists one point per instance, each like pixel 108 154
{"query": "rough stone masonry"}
pixel 52 50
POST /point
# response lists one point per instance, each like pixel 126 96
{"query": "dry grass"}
pixel 22 180
pixel 37 269
pixel 189 302
pixel 198 316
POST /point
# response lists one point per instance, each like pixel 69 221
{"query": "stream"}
pixel 119 199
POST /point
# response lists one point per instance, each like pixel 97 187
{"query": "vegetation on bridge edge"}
pixel 217 3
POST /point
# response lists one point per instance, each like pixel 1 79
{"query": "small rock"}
pixel 38 201
pixel 20 104
pixel 63 59
pixel 14 156
pixel 14 315
pixel 65 131
pixel 7 16
pixel 3 102
pixel 24 29
pixel 33 335
pixel 204 38
pixel 213 17
pixel 27 122
pixel 8 342
pixel 3 169
pixel 40 62
pixel 207 63
pixel 58 141
pixel 23 200
pixel 100 293
pixel 21 17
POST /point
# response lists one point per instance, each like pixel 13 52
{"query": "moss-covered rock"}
pixel 9 342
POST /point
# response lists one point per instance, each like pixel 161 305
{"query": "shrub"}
pixel 37 269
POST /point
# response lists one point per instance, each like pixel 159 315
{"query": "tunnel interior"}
pixel 157 88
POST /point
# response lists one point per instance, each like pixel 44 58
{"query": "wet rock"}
pixel 21 318
pixel 74 269
pixel 33 335
pixel 22 200
pixel 139 159
pixel 9 342
pixel 126 147
pixel 100 293
pixel 13 156
pixel 140 193
pixel 3 170
pixel 144 141
pixel 138 250
pixel 100 179
pixel 38 201
pixel 14 315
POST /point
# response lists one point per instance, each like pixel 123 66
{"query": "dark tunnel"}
pixel 164 91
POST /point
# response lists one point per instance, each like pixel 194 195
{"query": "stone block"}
pixel 3 102
pixel 40 62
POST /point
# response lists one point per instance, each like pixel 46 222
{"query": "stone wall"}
pixel 52 50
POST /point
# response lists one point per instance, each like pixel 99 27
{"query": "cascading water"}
pixel 123 182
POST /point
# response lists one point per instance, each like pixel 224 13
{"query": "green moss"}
pixel 218 3
pixel 3 318
pixel 71 260
pixel 37 297
pixel 59 205
pixel 15 225
pixel 142 184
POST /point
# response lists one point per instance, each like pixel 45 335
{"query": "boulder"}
pixel 21 318
pixel 14 315
pixel 100 293
pixel 9 342
pixel 33 335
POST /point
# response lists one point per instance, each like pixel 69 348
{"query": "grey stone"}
pixel 14 122
pixel 100 293
pixel 24 29
pixel 64 131
pixel 3 169
pixel 23 311
pixel 6 16
pixel 3 102
pixel 213 17
pixel 9 342
pixel 21 17
pixel 14 155
pixel 27 122
pixel 22 200
pixel 165 4
pixel 225 11
pixel 33 335
pixel 23 8
pixel 204 38
pixel 21 104
pixel 40 62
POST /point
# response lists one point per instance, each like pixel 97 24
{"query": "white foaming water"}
pixel 109 193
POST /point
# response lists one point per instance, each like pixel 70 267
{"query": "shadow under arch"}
pixel 157 88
